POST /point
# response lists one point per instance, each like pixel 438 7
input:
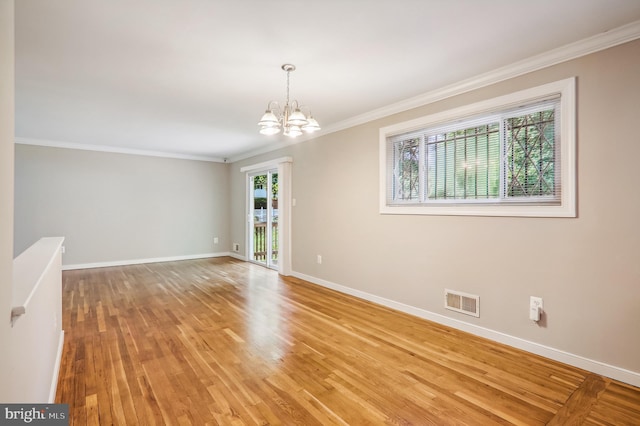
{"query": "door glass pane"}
pixel 264 192
pixel 274 219
pixel 259 213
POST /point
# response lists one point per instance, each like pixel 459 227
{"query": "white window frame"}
pixel 567 206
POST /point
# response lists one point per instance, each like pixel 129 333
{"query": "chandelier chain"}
pixel 288 72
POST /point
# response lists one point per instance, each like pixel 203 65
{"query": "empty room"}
pixel 344 212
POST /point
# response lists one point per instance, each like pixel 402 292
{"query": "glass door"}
pixel 263 220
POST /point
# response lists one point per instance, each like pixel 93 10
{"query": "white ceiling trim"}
pixel 266 164
pixel 562 54
pixel 275 146
pixel 565 53
pixel 104 148
pixel 584 47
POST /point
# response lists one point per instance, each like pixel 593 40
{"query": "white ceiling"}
pixel 193 77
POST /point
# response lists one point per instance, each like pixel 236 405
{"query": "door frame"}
pixel 283 165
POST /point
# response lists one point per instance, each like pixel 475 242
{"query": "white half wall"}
pixel 37 339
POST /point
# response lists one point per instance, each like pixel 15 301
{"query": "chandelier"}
pixel 289 118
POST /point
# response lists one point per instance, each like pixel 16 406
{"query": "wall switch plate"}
pixel 215 240
pixel 319 259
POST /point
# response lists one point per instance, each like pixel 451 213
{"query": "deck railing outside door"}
pixel 260 241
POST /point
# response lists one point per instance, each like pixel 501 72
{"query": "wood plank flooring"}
pixel 219 341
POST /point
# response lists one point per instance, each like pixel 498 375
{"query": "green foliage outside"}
pixel 466 164
pixel 260 182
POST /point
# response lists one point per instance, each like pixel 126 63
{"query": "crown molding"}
pixel 556 56
pixel 112 149
pixel 593 44
pixel 596 43
pixel 277 144
pixel 269 148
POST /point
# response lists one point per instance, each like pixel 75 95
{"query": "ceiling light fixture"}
pixel 289 118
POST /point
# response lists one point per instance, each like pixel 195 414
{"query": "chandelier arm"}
pixel 306 108
pixel 274 107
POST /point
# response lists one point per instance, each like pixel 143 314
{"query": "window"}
pixel 509 156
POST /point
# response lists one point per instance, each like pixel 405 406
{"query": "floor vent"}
pixel 462 302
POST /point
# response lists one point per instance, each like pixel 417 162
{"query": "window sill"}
pixel 482 210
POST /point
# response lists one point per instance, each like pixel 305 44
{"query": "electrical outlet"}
pixel 215 240
pixel 535 308
pixel 236 247
pixel 319 260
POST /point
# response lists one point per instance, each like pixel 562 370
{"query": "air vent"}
pixel 462 302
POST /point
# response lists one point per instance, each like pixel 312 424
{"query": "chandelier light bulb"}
pixel 311 126
pixel 269 118
pixel 293 131
pixel 297 118
pixel 270 130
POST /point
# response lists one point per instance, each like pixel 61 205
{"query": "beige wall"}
pixel 117 207
pixel 6 187
pixel 587 269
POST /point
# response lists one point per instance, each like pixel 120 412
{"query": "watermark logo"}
pixel 34 414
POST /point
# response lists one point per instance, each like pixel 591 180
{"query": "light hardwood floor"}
pixel 219 341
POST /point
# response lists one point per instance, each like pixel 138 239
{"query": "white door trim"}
pixel 283 165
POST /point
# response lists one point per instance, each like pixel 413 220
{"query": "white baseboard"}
pixel 617 373
pixel 238 256
pixel 56 369
pixel 140 261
